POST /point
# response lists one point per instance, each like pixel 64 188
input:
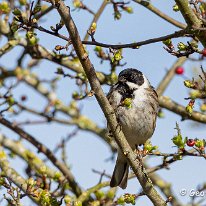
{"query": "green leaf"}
pixel 178 141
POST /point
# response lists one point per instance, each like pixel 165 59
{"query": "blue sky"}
pixel 86 151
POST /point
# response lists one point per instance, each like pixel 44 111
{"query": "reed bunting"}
pixel 137 120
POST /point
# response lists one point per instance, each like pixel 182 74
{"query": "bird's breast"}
pixel 138 122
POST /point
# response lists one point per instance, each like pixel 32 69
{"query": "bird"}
pixel 137 119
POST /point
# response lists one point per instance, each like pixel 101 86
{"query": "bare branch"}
pixel 164 16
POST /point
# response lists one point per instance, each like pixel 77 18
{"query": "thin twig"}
pixel 96 16
pixel 176 34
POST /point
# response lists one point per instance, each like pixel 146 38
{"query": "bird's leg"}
pixel 140 153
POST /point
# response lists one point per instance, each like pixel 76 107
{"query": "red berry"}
pixel 179 70
pixel 204 52
pixel 190 142
pixel 23 98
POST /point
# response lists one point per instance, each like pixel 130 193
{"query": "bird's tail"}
pixel 120 174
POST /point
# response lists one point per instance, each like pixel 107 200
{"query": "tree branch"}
pixel 166 189
pixel 188 14
pixel 164 16
pixel 167 103
pixel 41 148
pixel 32 160
pixel 176 34
pixel 191 19
pixel 13 176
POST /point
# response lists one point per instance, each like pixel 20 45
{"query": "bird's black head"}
pixel 131 75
